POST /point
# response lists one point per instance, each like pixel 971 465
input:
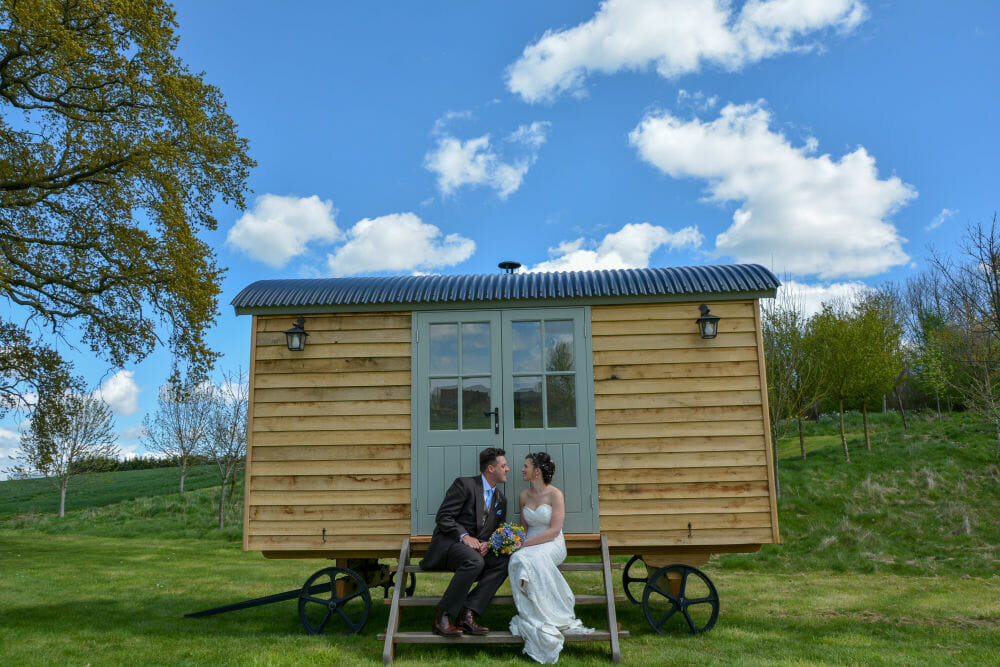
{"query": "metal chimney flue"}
pixel 509 267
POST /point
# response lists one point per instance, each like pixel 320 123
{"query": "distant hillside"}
pixel 923 501
pixel 36 496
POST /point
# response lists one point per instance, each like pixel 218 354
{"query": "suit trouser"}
pixel 469 567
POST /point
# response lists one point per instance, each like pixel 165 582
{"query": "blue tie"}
pixel 489 497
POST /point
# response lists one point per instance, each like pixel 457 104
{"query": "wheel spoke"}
pixel 329 612
pixel 684 581
pixel 656 587
pixel 694 629
pixel 659 624
pixel 710 598
pixel 353 595
pixel 347 620
pixel 321 601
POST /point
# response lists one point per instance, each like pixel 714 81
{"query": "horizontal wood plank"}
pixel 331 408
pixel 700 355
pixel 675 506
pixel 370 483
pixel 679 370
pixel 334 529
pixel 673 475
pixel 677 399
pixel 704 443
pixel 698 522
pixel 678 429
pixel 670 311
pixel 676 385
pixel 330 512
pixel 330 498
pixel 339 337
pixel 680 460
pixel 385 544
pixel 662 538
pixel 343 467
pixel 310 438
pixel 338 351
pixel 360 379
pixel 352 365
pixel 344 423
pixel 669 415
pixel 727 325
pixel 669 492
pixel 671 342
pixel 323 394
pixel 302 453
pixel 339 322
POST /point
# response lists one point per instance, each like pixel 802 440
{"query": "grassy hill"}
pixel 37 496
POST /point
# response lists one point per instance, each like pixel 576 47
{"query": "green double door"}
pixel 518 379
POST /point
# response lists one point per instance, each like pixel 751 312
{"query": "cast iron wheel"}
pixel 319 600
pixel 411 585
pixel 660 605
pixel 639 565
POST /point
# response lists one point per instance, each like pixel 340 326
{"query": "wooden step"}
pixel 564 567
pixel 492 638
pixel 432 600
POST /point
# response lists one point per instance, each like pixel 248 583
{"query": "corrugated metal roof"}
pixel 721 279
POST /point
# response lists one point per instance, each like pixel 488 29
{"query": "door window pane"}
pixel 444 404
pixel 561 400
pixel 527 346
pixel 476 347
pixel 476 403
pixel 444 349
pixel 559 345
pixel 528 402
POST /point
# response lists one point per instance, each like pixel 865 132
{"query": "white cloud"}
pixel 477 162
pixel 810 298
pixel 675 37
pixel 397 242
pixel 628 248
pixel 279 228
pixel 132 433
pixel 940 219
pixel 120 392
pixel 799 212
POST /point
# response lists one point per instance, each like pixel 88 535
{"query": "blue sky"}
pixel 831 141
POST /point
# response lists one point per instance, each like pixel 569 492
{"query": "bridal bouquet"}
pixel 507 539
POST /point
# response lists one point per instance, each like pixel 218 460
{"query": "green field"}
pixel 892 559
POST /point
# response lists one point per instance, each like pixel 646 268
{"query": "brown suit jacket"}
pixel 461 511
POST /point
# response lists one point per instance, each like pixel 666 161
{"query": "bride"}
pixel 543 599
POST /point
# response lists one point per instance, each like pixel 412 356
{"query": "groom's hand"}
pixel 473 543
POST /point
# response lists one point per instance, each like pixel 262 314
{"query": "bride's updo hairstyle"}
pixel 543 462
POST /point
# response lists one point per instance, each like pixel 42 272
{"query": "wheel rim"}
pixel 696 600
pixel 320 603
pixel 634 566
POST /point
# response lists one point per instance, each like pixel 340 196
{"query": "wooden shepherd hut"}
pixel 659 427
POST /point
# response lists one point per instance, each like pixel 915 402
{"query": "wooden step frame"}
pixel 393 636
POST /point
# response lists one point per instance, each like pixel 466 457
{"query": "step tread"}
pixel 492 638
pixel 432 600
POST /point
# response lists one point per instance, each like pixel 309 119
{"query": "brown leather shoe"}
pixel 443 625
pixel 468 624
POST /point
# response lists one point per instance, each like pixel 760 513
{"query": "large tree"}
pixel 226 441
pixel 112 154
pixel 65 429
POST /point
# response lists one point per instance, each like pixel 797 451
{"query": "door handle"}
pixel 496 419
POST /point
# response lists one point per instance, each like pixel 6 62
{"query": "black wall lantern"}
pixel 708 324
pixel 296 336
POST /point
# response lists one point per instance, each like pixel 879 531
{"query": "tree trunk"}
pixel 222 505
pixel 183 472
pixel 62 497
pixel 843 435
pixel 938 396
pixel 802 439
pixel 864 415
pixel 777 482
pixel 902 412
pixel 998 444
pixel 232 487
pixel 884 406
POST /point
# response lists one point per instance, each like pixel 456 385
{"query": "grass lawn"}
pixel 891 559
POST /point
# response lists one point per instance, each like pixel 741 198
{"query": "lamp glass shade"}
pixel 296 336
pixel 708 324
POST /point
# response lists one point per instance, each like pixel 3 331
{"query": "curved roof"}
pixel 721 279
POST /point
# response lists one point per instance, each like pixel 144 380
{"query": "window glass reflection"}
pixel 527 346
pixel 444 349
pixel 528 402
pixel 444 404
pixel 561 400
pixel 559 345
pixel 476 403
pixel 476 347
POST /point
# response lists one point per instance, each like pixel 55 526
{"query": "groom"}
pixel 471 510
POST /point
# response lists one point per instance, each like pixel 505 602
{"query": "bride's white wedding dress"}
pixel 543 599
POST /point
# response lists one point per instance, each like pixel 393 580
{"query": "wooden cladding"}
pixel 682 448
pixel 329 465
